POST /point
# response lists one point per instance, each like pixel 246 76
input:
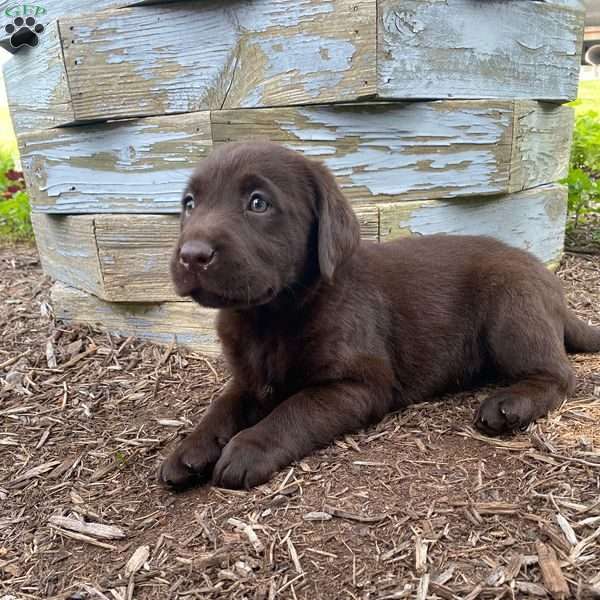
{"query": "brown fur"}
pixel 325 334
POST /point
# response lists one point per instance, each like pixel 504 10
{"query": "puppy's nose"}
pixel 196 252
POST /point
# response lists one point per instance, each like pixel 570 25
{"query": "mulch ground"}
pixel 419 506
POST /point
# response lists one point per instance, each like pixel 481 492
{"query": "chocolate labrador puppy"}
pixel 325 334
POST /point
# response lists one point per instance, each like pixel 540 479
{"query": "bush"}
pixel 15 220
pixel 584 171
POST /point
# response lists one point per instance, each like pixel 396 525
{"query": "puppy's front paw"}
pixel 247 461
pixel 191 462
pixel 504 413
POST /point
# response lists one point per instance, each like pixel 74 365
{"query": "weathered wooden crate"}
pixel 434 117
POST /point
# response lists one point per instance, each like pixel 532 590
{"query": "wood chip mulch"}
pixel 419 506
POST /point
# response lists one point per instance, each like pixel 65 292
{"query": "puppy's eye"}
pixel 258 203
pixel 188 204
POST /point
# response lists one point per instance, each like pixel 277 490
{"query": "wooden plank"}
pixel 542 144
pixel 183 322
pixel 388 152
pixel 186 56
pixel 533 219
pixel 134 250
pixel 466 49
pixel 191 56
pixel 131 252
pixel 36 85
pixel 132 166
pixel 67 249
pixel 379 152
pixel 407 151
pixel 47 11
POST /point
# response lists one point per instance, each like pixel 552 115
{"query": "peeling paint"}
pixel 466 49
pixel 136 166
pixel 308 59
pixel 378 152
pixel 521 220
pixel 398 147
pixel 182 57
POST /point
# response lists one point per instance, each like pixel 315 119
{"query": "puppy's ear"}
pixel 339 231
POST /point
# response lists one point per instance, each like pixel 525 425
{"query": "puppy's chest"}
pixel 276 367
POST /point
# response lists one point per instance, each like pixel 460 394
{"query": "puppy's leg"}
pixel 526 347
pixel 194 458
pixel 308 420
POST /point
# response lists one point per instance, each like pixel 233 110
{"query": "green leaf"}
pixel 583 180
pixel 15 219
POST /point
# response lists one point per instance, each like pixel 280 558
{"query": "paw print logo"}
pixel 24 32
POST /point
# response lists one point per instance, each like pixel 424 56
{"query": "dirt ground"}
pixel 419 506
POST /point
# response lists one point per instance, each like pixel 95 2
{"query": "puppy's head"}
pixel 258 219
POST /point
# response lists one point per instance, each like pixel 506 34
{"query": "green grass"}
pixel 588 97
pixel 15 221
pixel 583 180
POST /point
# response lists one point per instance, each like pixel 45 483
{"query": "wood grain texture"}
pixel 60 8
pixel 133 251
pixel 552 575
pixel 193 56
pixel 68 251
pixel 384 152
pixel 541 144
pixel 178 57
pixel 533 219
pixel 185 323
pixel 574 4
pixel 131 166
pixel 379 152
pixel 36 85
pixel 466 49
pixel 130 253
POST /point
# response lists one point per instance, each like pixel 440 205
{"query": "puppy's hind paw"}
pixel 504 413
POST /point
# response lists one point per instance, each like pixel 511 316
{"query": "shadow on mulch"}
pixel 418 506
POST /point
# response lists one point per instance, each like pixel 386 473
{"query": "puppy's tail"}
pixel 579 336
